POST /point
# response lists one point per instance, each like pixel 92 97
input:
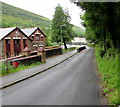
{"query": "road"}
pixel 74 82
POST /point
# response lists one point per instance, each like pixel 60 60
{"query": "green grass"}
pixel 91 45
pixel 108 69
pixel 69 49
pixel 13 70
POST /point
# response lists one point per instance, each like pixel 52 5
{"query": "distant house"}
pixel 79 40
pixel 37 37
pixel 13 41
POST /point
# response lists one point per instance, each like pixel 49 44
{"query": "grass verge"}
pixel 108 70
pixel 13 70
pixel 69 49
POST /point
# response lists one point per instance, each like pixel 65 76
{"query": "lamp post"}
pixel 61 33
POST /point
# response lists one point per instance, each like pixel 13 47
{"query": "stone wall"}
pixel 54 51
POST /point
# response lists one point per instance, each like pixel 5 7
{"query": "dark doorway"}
pixel 8 48
pixel 17 48
pixel 25 43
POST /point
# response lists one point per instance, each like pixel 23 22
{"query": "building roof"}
pixel 5 31
pixel 28 31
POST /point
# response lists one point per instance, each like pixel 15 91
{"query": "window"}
pixel 42 38
pixel 32 37
pixel 16 33
pixel 37 37
pixel 8 41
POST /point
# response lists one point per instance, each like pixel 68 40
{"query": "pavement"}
pixel 73 82
pixel 30 72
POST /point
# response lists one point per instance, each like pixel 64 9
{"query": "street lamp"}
pixel 61 33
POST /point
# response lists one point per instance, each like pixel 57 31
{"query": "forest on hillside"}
pixel 79 32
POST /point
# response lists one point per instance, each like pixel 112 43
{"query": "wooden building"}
pixel 37 37
pixel 13 41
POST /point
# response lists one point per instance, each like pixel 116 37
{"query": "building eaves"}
pixel 5 31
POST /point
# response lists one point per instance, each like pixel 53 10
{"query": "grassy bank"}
pixel 69 49
pixel 10 70
pixel 108 70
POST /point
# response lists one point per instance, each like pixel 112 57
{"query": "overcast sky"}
pixel 47 8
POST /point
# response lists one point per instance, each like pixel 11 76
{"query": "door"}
pixel 25 43
pixel 17 48
pixel 8 48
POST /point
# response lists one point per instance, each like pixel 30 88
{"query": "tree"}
pixel 61 28
pixel 101 20
pixel 47 32
pixel 79 32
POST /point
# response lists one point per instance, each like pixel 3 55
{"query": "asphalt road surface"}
pixel 74 82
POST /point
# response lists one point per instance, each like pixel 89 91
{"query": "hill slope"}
pixel 80 32
pixel 16 17
pixel 13 16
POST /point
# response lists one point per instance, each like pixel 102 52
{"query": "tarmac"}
pixel 51 62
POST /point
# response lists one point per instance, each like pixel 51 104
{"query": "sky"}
pixel 46 8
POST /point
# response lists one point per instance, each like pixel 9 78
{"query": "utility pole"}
pixel 61 33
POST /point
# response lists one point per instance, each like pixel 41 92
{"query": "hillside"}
pixel 13 16
pixel 79 31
